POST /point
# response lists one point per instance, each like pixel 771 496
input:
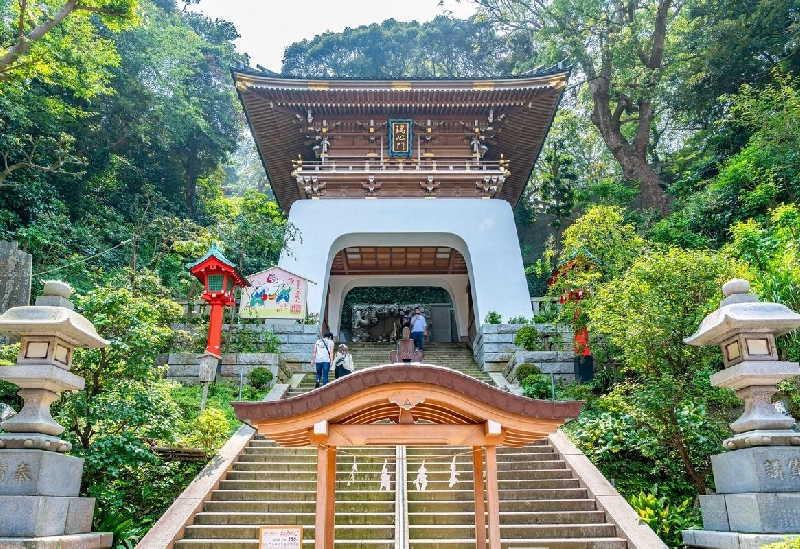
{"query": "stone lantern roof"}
pixel 742 311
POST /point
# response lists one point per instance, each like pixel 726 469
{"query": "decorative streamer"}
pixel 453 473
pixel 386 480
pixel 353 471
pixel 421 482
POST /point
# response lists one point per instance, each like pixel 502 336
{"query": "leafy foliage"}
pixel 493 317
pixel 665 519
pixel 526 369
pixel 260 377
pixel 528 337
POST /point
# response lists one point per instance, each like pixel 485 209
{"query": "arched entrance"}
pixel 407 405
pixel 467 246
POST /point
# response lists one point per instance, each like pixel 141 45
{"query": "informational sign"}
pixel 400 137
pixel 274 293
pixel 280 537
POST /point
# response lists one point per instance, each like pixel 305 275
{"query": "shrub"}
pixel 528 337
pixel 537 386
pixel 211 427
pixel 665 520
pixel 260 377
pixel 493 318
pixel 526 369
pixel 518 320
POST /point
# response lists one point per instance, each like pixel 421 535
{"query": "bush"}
pixel 790 543
pixel 518 320
pixel 211 428
pixel 260 377
pixel 526 369
pixel 493 318
pixel 528 337
pixel 537 386
pixel 665 520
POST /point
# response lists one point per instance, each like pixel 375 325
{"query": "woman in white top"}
pixel 321 358
pixel 343 362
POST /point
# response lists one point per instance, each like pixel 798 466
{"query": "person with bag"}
pixel 321 358
pixel 343 362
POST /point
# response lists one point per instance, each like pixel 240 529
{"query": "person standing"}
pixel 343 362
pixel 419 329
pixel 321 358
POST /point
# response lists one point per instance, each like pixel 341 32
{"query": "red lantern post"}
pixel 219 277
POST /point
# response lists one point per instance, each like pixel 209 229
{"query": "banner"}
pixel 274 293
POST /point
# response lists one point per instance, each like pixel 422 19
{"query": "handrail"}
pixel 401 499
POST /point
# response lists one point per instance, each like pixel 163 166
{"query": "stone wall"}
pixel 185 367
pixel 294 353
pixel 495 351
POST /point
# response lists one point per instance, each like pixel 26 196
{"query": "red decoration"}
pixel 219 278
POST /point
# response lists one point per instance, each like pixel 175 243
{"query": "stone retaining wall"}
pixel 494 350
pixel 185 367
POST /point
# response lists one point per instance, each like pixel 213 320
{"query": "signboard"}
pixel 274 293
pixel 400 137
pixel 280 537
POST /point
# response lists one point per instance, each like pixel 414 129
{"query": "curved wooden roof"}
pixel 400 404
pixel 275 107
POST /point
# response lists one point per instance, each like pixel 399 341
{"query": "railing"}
pixel 359 164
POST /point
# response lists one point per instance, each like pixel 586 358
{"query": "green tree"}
pixel 624 52
pixel 645 313
pixel 442 48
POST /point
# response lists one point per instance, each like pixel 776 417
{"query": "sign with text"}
pixel 400 137
pixel 280 537
pixel 274 293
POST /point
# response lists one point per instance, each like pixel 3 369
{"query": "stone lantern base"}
pixel 76 541
pixel 39 497
pixel 757 499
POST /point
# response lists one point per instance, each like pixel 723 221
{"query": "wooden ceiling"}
pixel 393 260
pixel 275 108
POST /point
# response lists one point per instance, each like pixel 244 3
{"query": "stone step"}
pixel 513 531
pixel 307 542
pixel 361 485
pixel 307 518
pixel 304 506
pixel 513 506
pixel 342 532
pixel 451 517
pixel 558 543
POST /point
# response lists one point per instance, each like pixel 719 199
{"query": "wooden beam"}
pixel 321 521
pixel 411 435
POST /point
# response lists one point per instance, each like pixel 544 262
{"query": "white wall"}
pixel 455 285
pixel 482 230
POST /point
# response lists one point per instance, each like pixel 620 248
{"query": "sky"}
pixel 268 26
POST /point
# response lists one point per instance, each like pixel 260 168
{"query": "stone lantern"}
pixel 758 481
pixel 39 484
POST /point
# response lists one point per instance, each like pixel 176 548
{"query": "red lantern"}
pixel 220 278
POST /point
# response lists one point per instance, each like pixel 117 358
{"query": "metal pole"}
pixel 241 380
pixel 553 384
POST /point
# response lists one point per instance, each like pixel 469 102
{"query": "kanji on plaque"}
pixel 400 137
pixel 280 537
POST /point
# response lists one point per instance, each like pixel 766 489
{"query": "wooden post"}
pixel 492 497
pixel 480 509
pixel 326 497
pixel 322 495
pixel 330 509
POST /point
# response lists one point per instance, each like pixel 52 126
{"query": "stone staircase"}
pixel 457 356
pixel 270 485
pixel 542 503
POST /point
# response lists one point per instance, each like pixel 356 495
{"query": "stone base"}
pixel 729 540
pixel 41 516
pixel 761 469
pixel 95 540
pixel 39 473
pixel 770 513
